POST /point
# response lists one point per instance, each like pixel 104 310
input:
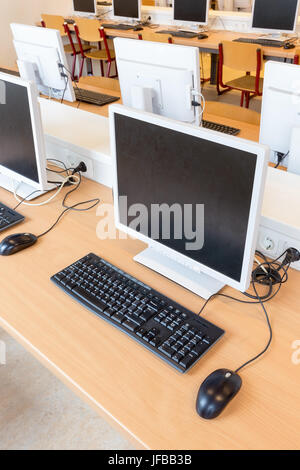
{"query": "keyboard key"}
pixel 130 325
pixel 187 361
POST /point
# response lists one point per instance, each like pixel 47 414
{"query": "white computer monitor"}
pixel 85 7
pixel 22 149
pixel 42 59
pixel 280 112
pixel 127 9
pixel 192 195
pixel 159 78
pixel 191 11
pixel 275 16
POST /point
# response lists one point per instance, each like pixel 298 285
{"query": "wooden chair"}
pixel 240 56
pixel 230 111
pixel 91 31
pixel 58 22
pixel 155 37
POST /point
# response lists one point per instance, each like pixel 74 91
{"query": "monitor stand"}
pixel 199 283
pixel 23 190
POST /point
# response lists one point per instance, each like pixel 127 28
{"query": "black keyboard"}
pixel 179 34
pixel 92 97
pixel 9 217
pixel 213 126
pixel 125 27
pixel 175 334
pixel 261 42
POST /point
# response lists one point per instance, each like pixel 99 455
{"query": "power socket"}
pixel 272 244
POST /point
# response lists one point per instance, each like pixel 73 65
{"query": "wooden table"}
pixel 153 405
pixel 209 45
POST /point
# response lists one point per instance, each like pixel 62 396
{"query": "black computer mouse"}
pixel 288 45
pixel 216 392
pixel 202 36
pixel 15 243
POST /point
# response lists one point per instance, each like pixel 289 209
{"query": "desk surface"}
pixel 211 44
pixel 143 397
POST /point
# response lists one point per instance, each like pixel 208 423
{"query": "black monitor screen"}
pixel 85 6
pixel 157 165
pixel 190 10
pixel 275 14
pixel 126 8
pixel 17 151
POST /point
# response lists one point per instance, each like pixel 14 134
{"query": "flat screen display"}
pixel 17 150
pixel 84 6
pixel 126 8
pixel 156 166
pixel 190 10
pixel 275 14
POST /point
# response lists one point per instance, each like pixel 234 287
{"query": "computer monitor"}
pixel 275 16
pixel 191 11
pixel 192 195
pixel 159 78
pixel 42 59
pixel 127 9
pixel 84 7
pixel 22 149
pixel 280 112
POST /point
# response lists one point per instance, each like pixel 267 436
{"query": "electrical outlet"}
pixel 272 244
pixel 72 160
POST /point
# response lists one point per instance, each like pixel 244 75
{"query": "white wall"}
pixel 27 12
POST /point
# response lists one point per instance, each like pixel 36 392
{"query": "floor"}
pixel 36 410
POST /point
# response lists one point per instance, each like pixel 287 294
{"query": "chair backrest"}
pixel 230 111
pixel 54 22
pixel 88 30
pixel 155 37
pixel 239 56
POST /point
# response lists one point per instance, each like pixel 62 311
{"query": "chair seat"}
pixel 68 48
pixel 100 54
pixel 245 83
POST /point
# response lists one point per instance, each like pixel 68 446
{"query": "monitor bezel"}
pixel 262 153
pixel 128 17
pixel 77 12
pixel 37 132
pixel 266 30
pixel 191 22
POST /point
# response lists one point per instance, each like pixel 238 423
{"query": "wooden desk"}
pixel 140 395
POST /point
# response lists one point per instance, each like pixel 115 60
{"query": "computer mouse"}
pixel 15 243
pixel 202 36
pixel 216 392
pixel 288 45
pixel 138 28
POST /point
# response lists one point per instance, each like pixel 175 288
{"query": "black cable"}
pixel 25 198
pixel 75 83
pixel 281 157
pixel 93 203
pixel 268 279
pixel 66 85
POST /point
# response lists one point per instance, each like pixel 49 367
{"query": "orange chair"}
pixel 155 37
pixel 240 56
pixel 91 31
pixel 58 22
pixel 297 57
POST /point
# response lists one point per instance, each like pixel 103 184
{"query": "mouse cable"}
pixel 75 207
pixel 269 276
